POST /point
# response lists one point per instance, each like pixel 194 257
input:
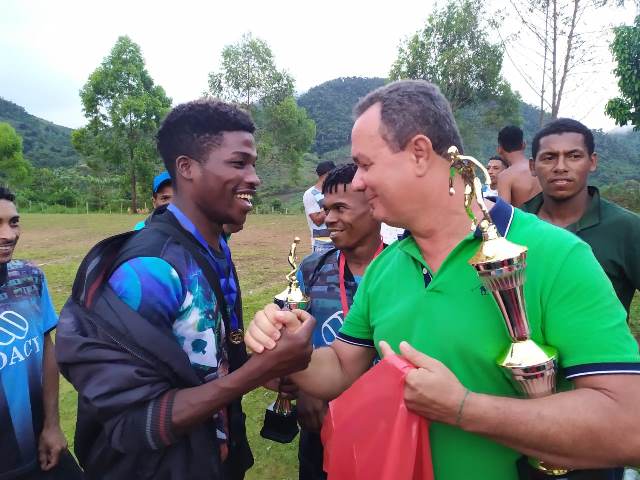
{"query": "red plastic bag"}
pixel 368 433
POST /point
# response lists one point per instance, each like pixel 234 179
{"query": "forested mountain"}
pixel 45 144
pixel 330 105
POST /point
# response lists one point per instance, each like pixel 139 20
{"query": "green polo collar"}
pixel 590 218
pixel 501 214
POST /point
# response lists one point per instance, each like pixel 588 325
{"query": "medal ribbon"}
pixel 227 281
pixel 343 290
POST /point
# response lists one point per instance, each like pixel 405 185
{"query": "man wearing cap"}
pixel 314 209
pixel 162 194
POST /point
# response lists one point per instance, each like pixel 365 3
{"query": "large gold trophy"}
pixel 501 264
pixel 280 419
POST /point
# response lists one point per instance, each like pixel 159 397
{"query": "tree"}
pixel 564 46
pixel 14 168
pixel 454 52
pixel 285 134
pixel 626 52
pixel 123 107
pixel 248 75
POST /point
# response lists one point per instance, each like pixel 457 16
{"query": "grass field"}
pixel 58 243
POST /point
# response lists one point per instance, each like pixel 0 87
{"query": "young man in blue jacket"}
pixel 153 343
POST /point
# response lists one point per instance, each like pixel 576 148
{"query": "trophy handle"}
pixel 465 166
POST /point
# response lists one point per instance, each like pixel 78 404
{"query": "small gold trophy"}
pixel 280 419
pixel 501 264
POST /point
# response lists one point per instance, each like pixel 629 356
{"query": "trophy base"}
pixel 533 469
pixel 278 427
pixel 549 470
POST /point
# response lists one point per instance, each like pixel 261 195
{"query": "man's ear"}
pixel 532 167
pixel 594 162
pixel 185 167
pixel 422 150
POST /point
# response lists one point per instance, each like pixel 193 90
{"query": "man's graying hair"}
pixel 410 108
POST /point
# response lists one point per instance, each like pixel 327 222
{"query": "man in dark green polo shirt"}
pixel 421 297
pixel 563 156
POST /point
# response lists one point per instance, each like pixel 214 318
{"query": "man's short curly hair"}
pixel 340 175
pixel 6 194
pixel 192 128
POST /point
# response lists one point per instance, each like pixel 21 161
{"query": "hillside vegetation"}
pixel 45 144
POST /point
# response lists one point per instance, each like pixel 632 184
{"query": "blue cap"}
pixel 160 179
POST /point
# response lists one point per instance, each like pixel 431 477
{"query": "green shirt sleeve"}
pixel 584 319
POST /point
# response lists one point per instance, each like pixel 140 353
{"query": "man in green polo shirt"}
pixel 422 298
pixel 563 156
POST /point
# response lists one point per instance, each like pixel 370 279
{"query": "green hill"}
pixel 330 105
pixel 45 144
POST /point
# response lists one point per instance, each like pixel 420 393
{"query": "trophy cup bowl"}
pixel 280 418
pixel 501 266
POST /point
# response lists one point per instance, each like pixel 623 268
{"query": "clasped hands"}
pixel 431 390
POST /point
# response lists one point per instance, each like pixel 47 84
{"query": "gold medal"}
pixel 236 336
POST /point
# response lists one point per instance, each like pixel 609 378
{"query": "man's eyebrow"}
pixel 361 156
pixel 243 155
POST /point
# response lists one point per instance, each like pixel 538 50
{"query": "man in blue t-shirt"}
pixel 162 194
pixel 330 279
pixel 30 435
pixel 160 391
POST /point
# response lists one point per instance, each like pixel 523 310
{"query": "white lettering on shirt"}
pixel 19 352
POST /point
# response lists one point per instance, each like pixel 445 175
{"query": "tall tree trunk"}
pixel 567 58
pixel 134 195
pixel 554 62
pixel 544 63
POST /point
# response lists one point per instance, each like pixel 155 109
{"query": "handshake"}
pixel 281 339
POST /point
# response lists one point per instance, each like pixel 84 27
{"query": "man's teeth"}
pixel 245 196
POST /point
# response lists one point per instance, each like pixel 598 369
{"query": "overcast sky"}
pixel 49 48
